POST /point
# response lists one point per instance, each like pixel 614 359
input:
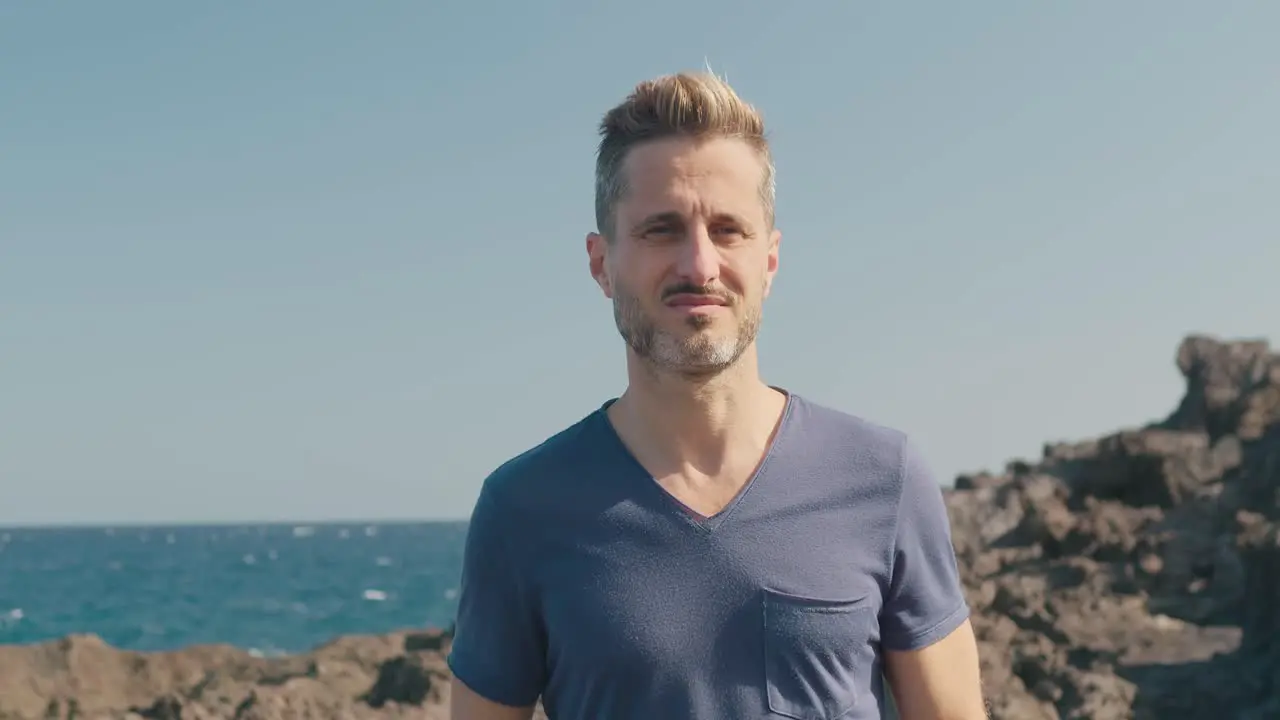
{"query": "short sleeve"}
pixel 498 647
pixel 925 602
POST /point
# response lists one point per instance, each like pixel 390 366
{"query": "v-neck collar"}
pixel 653 489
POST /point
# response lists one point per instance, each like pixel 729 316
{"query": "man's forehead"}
pixel 667 179
pixel 675 207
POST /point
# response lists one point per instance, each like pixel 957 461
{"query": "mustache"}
pixel 691 289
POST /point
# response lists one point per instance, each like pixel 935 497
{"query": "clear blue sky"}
pixel 317 260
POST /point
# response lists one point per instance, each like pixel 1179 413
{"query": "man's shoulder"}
pixel 886 456
pixel 846 432
pixel 530 472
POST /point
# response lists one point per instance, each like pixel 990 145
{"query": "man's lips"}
pixel 694 300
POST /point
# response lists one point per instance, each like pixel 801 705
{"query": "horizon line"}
pixel 178 524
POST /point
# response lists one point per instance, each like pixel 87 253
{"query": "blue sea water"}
pixel 270 589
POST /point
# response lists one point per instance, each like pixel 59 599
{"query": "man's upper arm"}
pixel 467 704
pixel 498 650
pixel 940 681
pixel 930 654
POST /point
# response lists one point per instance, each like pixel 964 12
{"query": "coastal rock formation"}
pixel 81 677
pixel 1134 575
pixel 400 675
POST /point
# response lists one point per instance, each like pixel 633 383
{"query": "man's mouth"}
pixel 694 300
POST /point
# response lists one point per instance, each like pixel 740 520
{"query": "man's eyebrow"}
pixel 728 217
pixel 668 217
pixel 674 218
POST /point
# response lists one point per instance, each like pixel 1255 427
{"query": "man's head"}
pixel 685 244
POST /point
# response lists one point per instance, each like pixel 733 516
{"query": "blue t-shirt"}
pixel 586 584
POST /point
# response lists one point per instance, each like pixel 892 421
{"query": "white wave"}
pixel 375 595
pixel 383 561
pixel 303 531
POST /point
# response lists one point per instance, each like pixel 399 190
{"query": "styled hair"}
pixel 699 106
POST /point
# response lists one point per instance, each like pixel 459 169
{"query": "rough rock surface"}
pixel 401 675
pixel 1130 576
pixel 1136 575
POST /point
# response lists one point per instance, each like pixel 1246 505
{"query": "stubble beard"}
pixel 699 354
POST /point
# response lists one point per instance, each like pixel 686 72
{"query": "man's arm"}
pixel 467 704
pixel 939 681
pixel 498 652
pixel 931 655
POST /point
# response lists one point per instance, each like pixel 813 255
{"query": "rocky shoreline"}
pixel 398 675
pixel 1133 575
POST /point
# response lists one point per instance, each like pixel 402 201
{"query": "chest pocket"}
pixel 817 655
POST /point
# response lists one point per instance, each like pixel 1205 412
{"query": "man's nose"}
pixel 699 258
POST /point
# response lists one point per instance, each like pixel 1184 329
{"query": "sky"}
pixel 304 261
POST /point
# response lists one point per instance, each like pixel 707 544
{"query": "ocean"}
pixel 271 589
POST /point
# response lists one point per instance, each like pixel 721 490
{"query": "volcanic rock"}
pixel 398 675
pixel 1137 574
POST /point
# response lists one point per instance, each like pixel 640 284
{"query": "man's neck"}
pixel 699 422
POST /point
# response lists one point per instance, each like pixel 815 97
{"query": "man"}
pixel 706 546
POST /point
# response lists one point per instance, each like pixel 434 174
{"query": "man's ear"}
pixel 598 259
pixel 771 267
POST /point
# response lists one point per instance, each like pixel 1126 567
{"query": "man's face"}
pixel 693 254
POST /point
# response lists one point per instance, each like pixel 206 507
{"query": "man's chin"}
pixel 701 357
pixel 691 326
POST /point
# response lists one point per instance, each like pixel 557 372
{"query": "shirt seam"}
pixel 909 640
pixel 897 513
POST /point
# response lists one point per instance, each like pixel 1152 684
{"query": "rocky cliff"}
pixel 1133 575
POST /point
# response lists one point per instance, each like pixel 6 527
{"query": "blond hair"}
pixel 693 105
